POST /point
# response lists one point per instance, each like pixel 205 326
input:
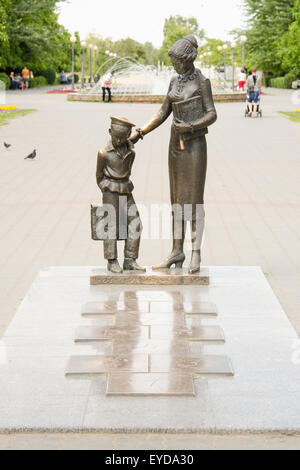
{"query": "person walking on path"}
pixel 25 77
pixel 242 79
pixel 106 85
pixel 254 84
pixel 63 78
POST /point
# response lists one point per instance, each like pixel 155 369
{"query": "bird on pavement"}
pixel 31 156
pixel 6 145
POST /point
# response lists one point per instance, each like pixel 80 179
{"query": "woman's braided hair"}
pixel 185 49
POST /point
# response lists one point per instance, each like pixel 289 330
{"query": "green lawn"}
pixel 6 117
pixel 293 116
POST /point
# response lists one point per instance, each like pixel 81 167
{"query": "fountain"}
pixel 134 82
pixel 131 78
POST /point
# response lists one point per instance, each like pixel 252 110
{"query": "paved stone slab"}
pixel 205 364
pixel 263 396
pixel 109 333
pixel 196 333
pixel 151 347
pixel 172 384
pixel 86 365
pixel 167 277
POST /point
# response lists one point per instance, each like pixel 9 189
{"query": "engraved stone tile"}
pixel 90 333
pixel 110 308
pixel 189 308
pixel 197 333
pixel 99 308
pixel 162 307
pixel 200 308
pixel 154 296
pixel 145 319
pixel 104 364
pixel 195 365
pixel 150 384
pixel 123 348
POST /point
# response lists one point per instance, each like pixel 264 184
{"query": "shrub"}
pixel 289 79
pixel 76 78
pixel 49 74
pixel 267 81
pixel 38 82
pixel 283 82
pixel 5 79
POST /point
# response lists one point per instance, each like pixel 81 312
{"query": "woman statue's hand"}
pixel 182 127
pixel 138 135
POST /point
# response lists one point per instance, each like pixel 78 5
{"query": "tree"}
pixel 212 45
pixel 289 51
pixel 175 28
pixel 34 35
pixel 152 54
pixel 130 48
pixel 268 21
pixel 3 33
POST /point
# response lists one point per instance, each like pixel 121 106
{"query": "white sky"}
pixel 144 20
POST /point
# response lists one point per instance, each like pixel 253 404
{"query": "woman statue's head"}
pixel 184 53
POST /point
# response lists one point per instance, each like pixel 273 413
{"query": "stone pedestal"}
pixel 262 397
pixel 164 277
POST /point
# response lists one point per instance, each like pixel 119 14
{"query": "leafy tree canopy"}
pixel 289 47
pixel 268 21
pixel 175 28
pixel 32 35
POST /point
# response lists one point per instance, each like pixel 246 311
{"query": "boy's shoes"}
pixel 114 267
pixel 131 265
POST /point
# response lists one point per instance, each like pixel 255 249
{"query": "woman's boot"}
pixel 177 257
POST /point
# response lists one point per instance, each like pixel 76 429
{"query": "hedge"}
pixel 49 74
pixel 5 78
pixel 283 82
pixel 38 82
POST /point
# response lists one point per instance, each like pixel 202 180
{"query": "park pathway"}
pixel 252 196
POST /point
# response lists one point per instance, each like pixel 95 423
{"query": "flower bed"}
pixel 5 109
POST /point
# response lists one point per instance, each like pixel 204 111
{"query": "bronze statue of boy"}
pixel 114 167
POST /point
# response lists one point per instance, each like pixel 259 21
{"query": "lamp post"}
pixel 96 50
pixel 83 45
pixel 209 56
pixel 91 71
pixel 244 40
pixel 233 45
pixel 201 60
pixel 73 40
pixel 225 47
pixel 220 48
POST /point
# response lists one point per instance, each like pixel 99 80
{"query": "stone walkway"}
pixel 146 442
pixel 252 196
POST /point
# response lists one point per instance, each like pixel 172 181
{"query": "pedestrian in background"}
pixel 106 86
pixel 254 84
pixel 242 79
pixel 25 77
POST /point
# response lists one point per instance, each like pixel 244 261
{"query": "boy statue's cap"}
pixel 122 122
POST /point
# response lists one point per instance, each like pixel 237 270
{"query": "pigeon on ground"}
pixel 6 145
pixel 31 156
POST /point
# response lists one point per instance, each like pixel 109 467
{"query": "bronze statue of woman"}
pixel 190 99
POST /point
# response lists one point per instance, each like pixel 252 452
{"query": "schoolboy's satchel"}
pixel 106 225
pixel 189 111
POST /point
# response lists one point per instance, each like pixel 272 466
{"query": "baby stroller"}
pixel 248 111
